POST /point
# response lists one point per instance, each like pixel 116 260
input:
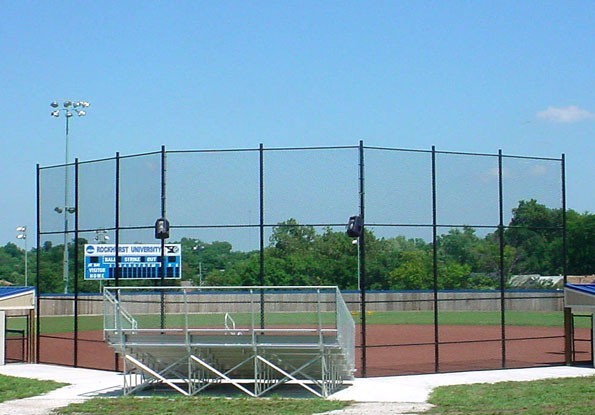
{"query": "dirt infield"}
pixel 391 349
pixel 410 349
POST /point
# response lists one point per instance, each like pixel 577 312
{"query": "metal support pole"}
pixel 362 260
pixel 117 222
pixel 26 265
pixel 568 319
pixel 261 229
pixel 37 265
pixel 65 260
pixel 117 241
pixel 76 261
pixel 435 264
pixel 501 260
pixel 568 336
pixel 564 229
pixel 30 337
pixel 23 235
pixel 163 215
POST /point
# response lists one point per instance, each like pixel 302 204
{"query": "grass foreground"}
pixel 564 396
pixel 200 406
pixel 18 388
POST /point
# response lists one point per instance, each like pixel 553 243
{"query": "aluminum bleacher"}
pixel 254 338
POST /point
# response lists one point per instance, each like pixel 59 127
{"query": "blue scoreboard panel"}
pixel 135 261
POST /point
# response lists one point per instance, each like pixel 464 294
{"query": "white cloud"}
pixel 494 174
pixel 568 114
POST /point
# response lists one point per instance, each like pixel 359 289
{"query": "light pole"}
pixel 69 108
pixel 22 234
pixel 197 248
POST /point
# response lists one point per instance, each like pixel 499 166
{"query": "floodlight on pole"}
pixel 69 108
pixel 101 236
pixel 22 234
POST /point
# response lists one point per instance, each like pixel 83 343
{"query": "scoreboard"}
pixel 135 261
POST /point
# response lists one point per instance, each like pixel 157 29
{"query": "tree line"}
pixel 299 255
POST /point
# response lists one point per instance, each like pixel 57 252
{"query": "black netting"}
pixel 440 273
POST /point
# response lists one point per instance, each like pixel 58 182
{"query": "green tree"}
pixel 536 233
pixel 207 262
pixel 461 246
pixel 488 258
pixel 581 243
pixel 12 265
pixel 335 258
pixel 414 271
pixel 384 255
pixel 291 237
pixel 50 268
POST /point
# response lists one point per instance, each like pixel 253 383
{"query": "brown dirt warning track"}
pixel 391 349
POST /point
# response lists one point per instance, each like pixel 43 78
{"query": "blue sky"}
pixel 464 76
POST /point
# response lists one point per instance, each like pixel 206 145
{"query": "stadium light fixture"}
pixel 101 236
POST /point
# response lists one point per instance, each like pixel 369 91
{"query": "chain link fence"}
pixel 434 280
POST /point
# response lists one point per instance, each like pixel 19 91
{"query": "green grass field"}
pixel 64 324
pixel 571 396
pixel 18 388
pixel 201 406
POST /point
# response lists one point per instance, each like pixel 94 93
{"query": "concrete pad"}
pixel 381 408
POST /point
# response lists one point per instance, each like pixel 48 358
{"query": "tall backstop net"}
pixel 458 266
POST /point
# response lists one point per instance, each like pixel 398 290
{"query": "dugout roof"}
pixel 580 297
pixel 17 298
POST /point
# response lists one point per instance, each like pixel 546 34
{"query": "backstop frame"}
pixel 435 225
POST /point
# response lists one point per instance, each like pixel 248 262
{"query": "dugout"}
pixel 17 314
pixel 579 301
